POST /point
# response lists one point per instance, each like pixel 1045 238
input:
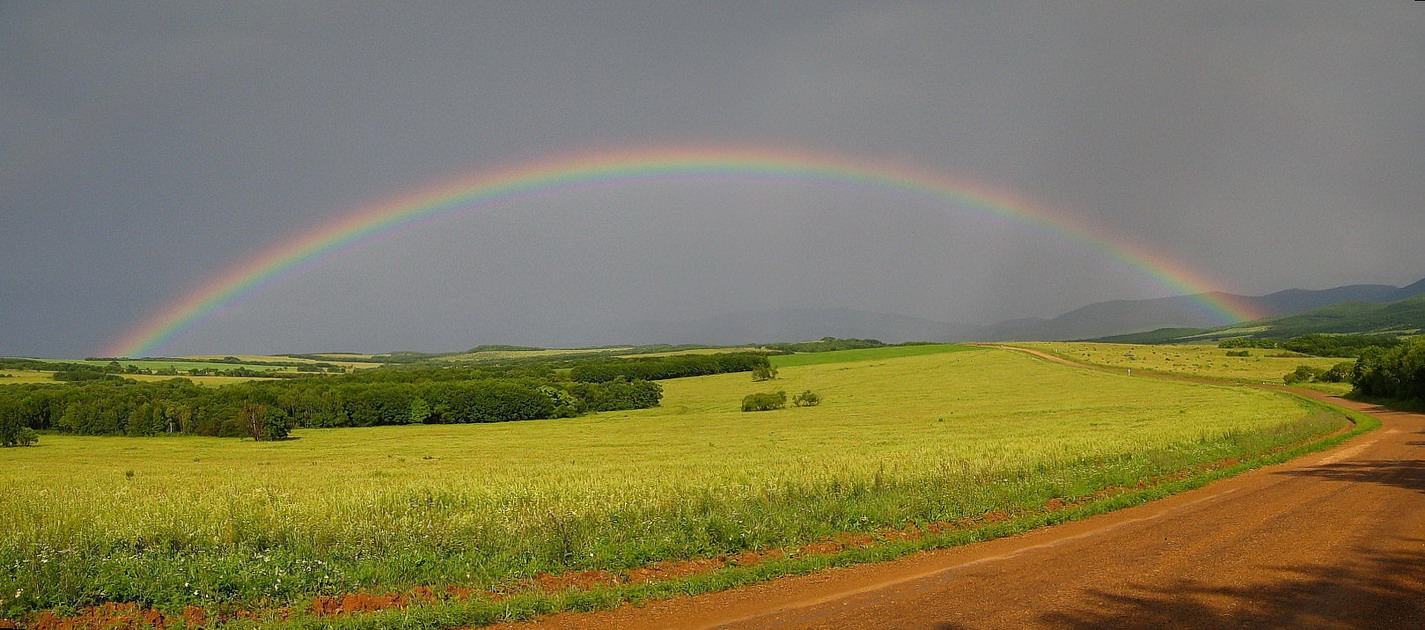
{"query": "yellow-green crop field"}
pixel 225 524
pixel 25 376
pixel 1260 366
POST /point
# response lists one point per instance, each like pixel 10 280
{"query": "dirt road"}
pixel 1330 540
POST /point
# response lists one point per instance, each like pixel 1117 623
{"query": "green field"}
pixel 936 434
pixel 1261 366
pixel 865 354
pixel 8 376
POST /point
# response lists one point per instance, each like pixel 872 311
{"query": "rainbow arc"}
pixel 567 174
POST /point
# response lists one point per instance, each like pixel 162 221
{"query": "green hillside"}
pixel 1406 317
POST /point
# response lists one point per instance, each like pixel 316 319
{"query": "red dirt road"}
pixel 1329 540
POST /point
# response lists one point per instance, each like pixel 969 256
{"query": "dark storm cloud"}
pixel 146 147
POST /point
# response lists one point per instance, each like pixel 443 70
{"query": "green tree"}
pixel 420 410
pixel 13 431
pixel 763 373
pixel 1303 374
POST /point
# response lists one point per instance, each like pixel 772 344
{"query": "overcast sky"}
pixel 147 147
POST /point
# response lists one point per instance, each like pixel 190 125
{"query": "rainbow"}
pixel 619 167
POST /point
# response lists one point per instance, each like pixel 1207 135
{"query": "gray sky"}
pixel 147 147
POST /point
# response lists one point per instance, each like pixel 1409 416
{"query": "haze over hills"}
pixel 1103 319
pixel 1119 317
pixel 1392 318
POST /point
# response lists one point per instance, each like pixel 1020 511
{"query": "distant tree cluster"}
pixel 1339 373
pixel 829 344
pixel 1344 346
pixel 270 409
pixel 1397 372
pixel 1317 345
pixel 113 370
pixel 1249 342
pixel 657 368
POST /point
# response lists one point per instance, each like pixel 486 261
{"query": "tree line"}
pixel 268 410
pixel 658 368
pixel 1318 345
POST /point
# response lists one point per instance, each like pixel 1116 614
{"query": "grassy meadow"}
pixel 938 433
pixel 9 377
pixel 864 354
pixel 1204 361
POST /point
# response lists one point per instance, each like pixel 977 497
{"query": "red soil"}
pixel 114 616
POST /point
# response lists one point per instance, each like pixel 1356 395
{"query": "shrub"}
pixel 24 436
pixel 13 430
pixel 1339 373
pixel 1303 374
pixel 763 373
pixel 807 398
pixel 764 401
pixel 1238 353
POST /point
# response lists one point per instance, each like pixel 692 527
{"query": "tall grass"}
pixel 223 524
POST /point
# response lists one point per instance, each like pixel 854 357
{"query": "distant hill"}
pixel 1127 317
pixel 1405 317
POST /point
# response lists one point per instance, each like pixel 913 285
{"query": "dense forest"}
pixel 1397 372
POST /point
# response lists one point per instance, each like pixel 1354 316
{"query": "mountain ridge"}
pixel 1097 320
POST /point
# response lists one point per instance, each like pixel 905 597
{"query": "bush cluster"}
pixel 807 398
pixel 764 401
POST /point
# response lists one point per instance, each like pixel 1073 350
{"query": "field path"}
pixel 1330 540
